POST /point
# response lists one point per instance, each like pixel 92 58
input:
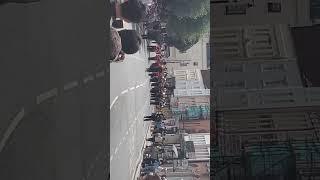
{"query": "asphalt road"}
pixel 54 90
pixel 129 102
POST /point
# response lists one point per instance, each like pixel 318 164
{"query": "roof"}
pixel 206 78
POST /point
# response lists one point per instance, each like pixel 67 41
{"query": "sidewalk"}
pixel 146 143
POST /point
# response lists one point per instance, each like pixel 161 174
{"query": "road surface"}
pixel 129 102
pixel 54 90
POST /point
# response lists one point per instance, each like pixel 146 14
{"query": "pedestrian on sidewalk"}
pixel 157 57
pixel 154 48
pixel 154 74
pixel 150 161
pixel 155 103
pixel 155 69
pixel 155 84
pixel 155 79
pixel 155 99
pixel 132 11
pixel 157 138
pixel 155 89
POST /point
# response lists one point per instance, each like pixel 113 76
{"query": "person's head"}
pixel 133 11
pixel 130 40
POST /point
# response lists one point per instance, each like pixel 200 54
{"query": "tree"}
pixel 183 43
pixel 187 8
pixel 184 33
pixel 188 26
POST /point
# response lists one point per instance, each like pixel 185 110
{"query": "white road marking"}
pixel 16 120
pixel 125 91
pixel 49 94
pixel 70 85
pixel 111 157
pixel 113 102
pixel 131 127
pixel 132 88
pixel 88 78
pixel 100 74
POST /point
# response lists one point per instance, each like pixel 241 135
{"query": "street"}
pixel 54 92
pixel 129 103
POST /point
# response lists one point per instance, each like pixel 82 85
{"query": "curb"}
pixel 137 170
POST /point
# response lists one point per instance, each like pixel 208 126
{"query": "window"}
pixel 224 44
pixel 236 10
pixel 235 84
pixel 275 83
pixel 225 50
pixel 265 116
pixel 273 68
pixel 262 48
pixel 262 34
pixel 224 36
pixel 234 68
pixel 184 64
pixel 266 126
pixel 264 54
pixel 279 101
pixel 268 136
pixel 195 63
pixel 262 42
pixel 262 30
pixel 274 7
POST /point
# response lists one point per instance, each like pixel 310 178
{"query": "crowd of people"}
pixel 129 42
pixel 160 98
pixel 151 166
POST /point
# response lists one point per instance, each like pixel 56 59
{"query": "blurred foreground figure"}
pixel 132 11
pixel 123 42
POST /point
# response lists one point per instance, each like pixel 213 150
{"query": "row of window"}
pixel 238 67
pixel 241 9
pixel 265 83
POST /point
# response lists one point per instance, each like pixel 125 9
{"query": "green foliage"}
pixel 187 21
pixel 184 33
pixel 188 27
pixel 183 43
pixel 187 8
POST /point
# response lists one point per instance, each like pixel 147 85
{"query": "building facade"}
pixel 254 75
pixel 252 42
pixel 249 12
pixel 195 126
pixel 191 100
pixel 187 75
pixel 201 142
pixel 195 57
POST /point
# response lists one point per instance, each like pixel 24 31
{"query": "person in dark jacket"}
pixel 130 40
pixel 133 11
